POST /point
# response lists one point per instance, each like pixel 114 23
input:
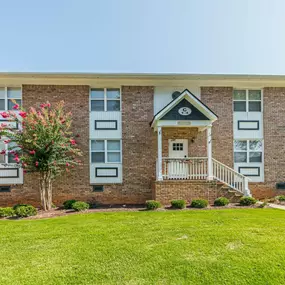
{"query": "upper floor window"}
pixel 105 99
pixel 8 95
pixel 247 100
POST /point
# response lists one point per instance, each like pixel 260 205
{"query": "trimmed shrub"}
pixel 221 201
pixel 67 205
pixel 199 203
pixel 19 205
pixel 178 204
pixel 22 211
pixel 7 212
pixel 280 198
pixel 152 205
pixel 79 206
pixel 247 201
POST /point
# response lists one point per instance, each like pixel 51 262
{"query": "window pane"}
pixel 2 93
pixel 97 105
pixel 113 145
pixel 97 145
pixel 254 106
pixel 254 94
pixel 240 145
pixel 255 157
pixel 11 104
pixel 240 156
pixel 240 106
pixel 113 105
pixel 97 93
pixel 255 145
pixel 239 94
pixel 98 157
pixel 2 104
pixel 113 93
pixel 114 157
pixel 14 93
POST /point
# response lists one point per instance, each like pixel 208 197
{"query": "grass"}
pixel 173 247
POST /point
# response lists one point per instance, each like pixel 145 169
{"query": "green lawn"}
pixel 171 247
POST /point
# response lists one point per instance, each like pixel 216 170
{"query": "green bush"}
pixel 264 204
pixel 247 201
pixel 280 198
pixel 152 205
pixel 199 203
pixel 7 212
pixel 19 205
pixel 178 204
pixel 221 201
pixel 22 211
pixel 80 206
pixel 68 204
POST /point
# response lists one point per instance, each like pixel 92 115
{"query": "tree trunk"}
pixel 46 190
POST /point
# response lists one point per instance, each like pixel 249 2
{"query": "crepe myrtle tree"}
pixel 43 143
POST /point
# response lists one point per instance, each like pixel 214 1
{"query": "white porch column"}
pixel 209 152
pixel 159 154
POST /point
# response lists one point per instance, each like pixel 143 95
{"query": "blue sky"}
pixel 143 36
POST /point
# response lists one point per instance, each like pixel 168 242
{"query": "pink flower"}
pixel 67 164
pixel 48 105
pixel 73 142
pixel 5 115
pixel 7 141
pixel 3 151
pixel 37 163
pixel 3 125
pixel 23 114
pixel 17 159
pixel 16 107
pixel 42 105
pixel 32 152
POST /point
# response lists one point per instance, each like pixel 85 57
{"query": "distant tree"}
pixel 43 143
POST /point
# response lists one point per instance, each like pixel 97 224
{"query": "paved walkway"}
pixel 281 207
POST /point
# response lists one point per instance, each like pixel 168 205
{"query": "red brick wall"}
pixel 274 143
pixel 220 100
pixel 165 191
pixel 138 148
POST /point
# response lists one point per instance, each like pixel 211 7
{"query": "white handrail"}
pixel 230 177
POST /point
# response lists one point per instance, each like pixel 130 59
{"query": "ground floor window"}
pixel 106 151
pixel 248 151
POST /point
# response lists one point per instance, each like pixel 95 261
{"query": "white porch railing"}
pixel 196 168
pixel 185 168
pixel 230 177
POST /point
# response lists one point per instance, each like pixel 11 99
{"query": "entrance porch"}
pixel 184 146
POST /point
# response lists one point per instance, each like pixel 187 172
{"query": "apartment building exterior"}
pixel 157 136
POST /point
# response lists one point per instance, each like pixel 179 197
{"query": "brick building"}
pixel 157 136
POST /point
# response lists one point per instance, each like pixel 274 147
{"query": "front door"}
pixel 177 167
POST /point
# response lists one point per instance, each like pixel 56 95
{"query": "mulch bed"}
pixel 122 208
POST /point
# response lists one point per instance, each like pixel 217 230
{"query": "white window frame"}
pixel 6 95
pixel 247 100
pixel 106 151
pixel 247 151
pixel 105 99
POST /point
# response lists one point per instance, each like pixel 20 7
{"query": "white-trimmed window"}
pixel 105 99
pixel 248 151
pixel 7 94
pixel 247 100
pixel 7 157
pixel 105 151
